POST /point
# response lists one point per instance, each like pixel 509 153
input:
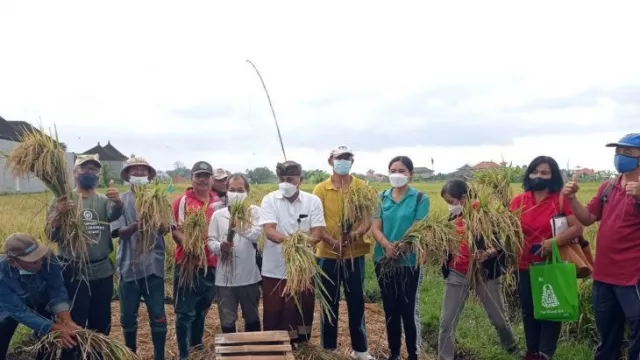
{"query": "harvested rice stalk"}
pixel 240 214
pixel 194 229
pixel 498 180
pixel 303 272
pixel 308 351
pixel 154 212
pixel 43 156
pixel 360 203
pixel 92 346
pixel 431 239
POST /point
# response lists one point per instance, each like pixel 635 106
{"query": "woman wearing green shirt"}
pixel 401 206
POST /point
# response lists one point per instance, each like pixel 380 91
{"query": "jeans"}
pixel 615 305
pixel 349 274
pixel 247 297
pixel 151 289
pixel 191 307
pixel 400 290
pixel 541 336
pixel 90 304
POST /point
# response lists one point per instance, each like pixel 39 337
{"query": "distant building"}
pixel 10 134
pixel 464 172
pixel 109 156
pixel 423 172
pixel 485 165
pixel 584 172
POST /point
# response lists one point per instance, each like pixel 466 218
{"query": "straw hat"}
pixel 136 161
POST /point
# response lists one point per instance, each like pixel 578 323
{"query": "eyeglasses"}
pixel 90 169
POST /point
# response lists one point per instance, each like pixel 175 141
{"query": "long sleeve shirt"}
pixel 242 269
pixel 21 294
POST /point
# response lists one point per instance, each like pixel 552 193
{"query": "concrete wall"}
pixel 30 184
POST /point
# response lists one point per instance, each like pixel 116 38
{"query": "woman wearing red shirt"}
pixel 456 272
pixel 538 204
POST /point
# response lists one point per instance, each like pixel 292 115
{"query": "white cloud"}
pixel 169 80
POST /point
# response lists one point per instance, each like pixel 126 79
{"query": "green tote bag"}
pixel 554 288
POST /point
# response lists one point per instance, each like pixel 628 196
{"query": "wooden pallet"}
pixel 266 345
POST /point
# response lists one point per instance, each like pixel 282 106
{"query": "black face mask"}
pixel 539 184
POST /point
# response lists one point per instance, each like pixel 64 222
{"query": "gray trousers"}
pixel 228 300
pixel 456 294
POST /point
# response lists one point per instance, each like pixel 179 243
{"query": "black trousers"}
pixel 541 336
pixel 7 328
pixel 90 304
pixel 615 305
pixel 400 290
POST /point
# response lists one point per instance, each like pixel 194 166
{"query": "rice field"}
pixel 26 213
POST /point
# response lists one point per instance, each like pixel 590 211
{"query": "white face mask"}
pixel 287 189
pixel 236 197
pixel 455 209
pixel 138 180
pixel 398 180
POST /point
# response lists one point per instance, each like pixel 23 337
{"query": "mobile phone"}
pixel 535 249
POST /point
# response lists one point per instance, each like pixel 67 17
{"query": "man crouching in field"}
pixel 284 212
pixel 192 303
pixel 90 285
pixel 141 270
pixel 31 293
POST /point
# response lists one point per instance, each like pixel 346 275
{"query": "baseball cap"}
pixel 629 140
pixel 24 247
pixel 202 167
pixel 219 174
pixel 341 150
pixel 288 168
pixel 136 161
pixel 85 158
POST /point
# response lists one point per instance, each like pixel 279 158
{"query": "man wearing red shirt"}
pixel 616 294
pixel 192 303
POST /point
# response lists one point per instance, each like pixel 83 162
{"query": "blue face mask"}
pixel 88 181
pixel 625 164
pixel 342 167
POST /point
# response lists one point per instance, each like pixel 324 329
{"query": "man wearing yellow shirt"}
pixel 343 264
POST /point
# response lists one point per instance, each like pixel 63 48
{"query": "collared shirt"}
pixel 398 217
pixel 332 200
pixel 276 209
pixel 535 221
pixel 133 264
pixel 618 247
pixel 97 212
pixel 243 269
pixel 20 295
pixel 180 207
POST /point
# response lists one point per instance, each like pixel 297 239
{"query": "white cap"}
pixel 341 150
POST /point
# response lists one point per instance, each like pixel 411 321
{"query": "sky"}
pixel 459 82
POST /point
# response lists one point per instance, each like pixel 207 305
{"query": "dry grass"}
pixel 91 345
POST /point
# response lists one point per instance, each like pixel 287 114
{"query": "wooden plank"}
pixel 253 349
pixel 254 357
pixel 251 337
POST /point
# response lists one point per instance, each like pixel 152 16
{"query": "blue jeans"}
pixel 151 289
pixel 191 307
pixel 614 305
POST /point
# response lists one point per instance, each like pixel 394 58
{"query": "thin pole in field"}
pixel 273 112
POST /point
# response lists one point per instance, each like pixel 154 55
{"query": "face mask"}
pixel 236 197
pixel 455 209
pixel 625 164
pixel 88 181
pixel 398 180
pixel 221 193
pixel 342 167
pixel 138 180
pixel 287 189
pixel 539 184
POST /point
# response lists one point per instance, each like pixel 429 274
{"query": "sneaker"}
pixel 361 356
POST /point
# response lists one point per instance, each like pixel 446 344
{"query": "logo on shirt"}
pixel 87 215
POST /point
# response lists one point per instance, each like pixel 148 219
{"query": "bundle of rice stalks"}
pixel 431 239
pixel 359 204
pixel 240 214
pixel 91 345
pixel 303 272
pixel 308 351
pixel 154 211
pixel 499 181
pixel 194 229
pixel 43 156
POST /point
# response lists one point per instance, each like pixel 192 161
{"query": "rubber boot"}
pixel 159 338
pixel 252 327
pixel 130 339
pixel 229 329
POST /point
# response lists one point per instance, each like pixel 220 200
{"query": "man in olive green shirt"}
pixel 90 285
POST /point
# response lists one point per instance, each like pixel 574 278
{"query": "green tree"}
pixel 106 175
pixel 261 175
pixel 315 176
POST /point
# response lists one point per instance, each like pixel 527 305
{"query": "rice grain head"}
pixel 194 229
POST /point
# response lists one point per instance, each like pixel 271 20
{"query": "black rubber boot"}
pixel 254 327
pixel 229 329
pixel 159 339
pixel 130 339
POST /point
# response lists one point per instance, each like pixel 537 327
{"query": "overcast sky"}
pixel 461 82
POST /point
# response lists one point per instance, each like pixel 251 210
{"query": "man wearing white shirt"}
pixel 284 212
pixel 237 276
